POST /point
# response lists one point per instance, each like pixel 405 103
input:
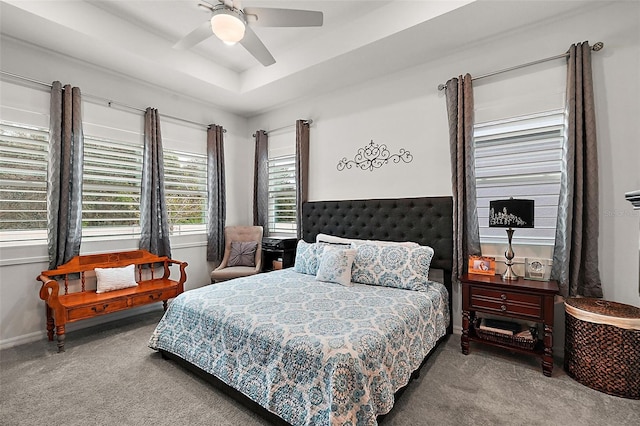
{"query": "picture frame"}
pixel 537 269
pixel 482 265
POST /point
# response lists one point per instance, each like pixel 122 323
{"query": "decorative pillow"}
pixel 331 239
pixel 110 279
pixel 392 265
pixel 307 258
pixel 335 266
pixel 242 253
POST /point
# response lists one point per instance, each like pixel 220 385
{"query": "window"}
pixel 113 173
pixel 185 183
pixel 23 182
pixel 112 170
pixel 112 182
pixel 520 157
pixel 282 195
pixel 111 187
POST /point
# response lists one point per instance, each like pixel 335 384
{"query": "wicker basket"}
pixel 492 336
pixel 602 345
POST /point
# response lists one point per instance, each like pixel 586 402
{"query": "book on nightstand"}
pixel 500 326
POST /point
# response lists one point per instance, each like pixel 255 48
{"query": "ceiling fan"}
pixel 232 24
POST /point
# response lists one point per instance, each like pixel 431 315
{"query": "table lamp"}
pixel 511 213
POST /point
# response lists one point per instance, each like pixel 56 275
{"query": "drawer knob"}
pixel 503 296
pixel 503 308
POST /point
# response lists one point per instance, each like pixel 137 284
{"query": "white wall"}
pixel 21 310
pixel 405 110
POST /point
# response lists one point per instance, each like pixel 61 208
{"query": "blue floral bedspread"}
pixel 314 353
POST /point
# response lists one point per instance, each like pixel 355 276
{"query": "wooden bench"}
pixel 83 304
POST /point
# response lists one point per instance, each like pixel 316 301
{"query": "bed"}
pixel 315 352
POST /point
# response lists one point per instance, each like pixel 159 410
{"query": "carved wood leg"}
pixel 61 337
pixel 547 357
pixel 464 339
pixel 164 305
pixel 49 316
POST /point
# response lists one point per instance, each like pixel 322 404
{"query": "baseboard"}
pixel 21 340
pixel 91 322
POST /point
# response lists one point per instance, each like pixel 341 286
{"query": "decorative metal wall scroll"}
pixel 373 156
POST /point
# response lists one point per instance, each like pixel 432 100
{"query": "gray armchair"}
pixel 235 263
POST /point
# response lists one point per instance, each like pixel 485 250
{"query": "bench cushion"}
pixel 110 279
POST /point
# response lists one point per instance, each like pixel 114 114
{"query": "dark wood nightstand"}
pixel 278 248
pixel 522 299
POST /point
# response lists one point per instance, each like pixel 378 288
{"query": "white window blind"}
pixel 282 195
pixel 185 183
pixel 520 157
pixel 23 182
pixel 112 182
pixel 113 173
pixel 112 169
pixel 111 187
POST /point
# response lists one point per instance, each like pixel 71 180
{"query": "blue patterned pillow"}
pixel 392 265
pixel 335 265
pixel 306 258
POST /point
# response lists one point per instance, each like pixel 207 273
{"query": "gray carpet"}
pixel 109 376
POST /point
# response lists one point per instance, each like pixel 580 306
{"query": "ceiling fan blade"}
pixel 252 43
pixel 268 17
pixel 202 32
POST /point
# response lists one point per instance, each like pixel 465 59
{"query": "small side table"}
pixel 521 299
pixel 274 248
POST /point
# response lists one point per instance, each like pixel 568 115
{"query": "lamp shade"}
pixel 228 25
pixel 511 213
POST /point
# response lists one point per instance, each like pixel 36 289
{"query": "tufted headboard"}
pixel 426 221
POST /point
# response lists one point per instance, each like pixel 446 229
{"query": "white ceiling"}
pixel 359 40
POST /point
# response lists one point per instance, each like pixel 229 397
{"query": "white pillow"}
pixel 110 279
pixel 335 266
pixel 331 239
pixel 324 238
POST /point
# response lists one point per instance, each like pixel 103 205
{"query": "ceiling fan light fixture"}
pixel 228 25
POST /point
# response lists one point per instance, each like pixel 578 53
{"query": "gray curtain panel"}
pixel 575 256
pixel 154 224
pixel 216 195
pixel 302 170
pixel 64 190
pixel 261 182
pixel 465 217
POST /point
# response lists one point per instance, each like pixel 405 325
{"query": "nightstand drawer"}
pixel 506 302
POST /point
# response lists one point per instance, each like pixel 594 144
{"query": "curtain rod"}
pixel 596 47
pixel 108 101
pixel 309 122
